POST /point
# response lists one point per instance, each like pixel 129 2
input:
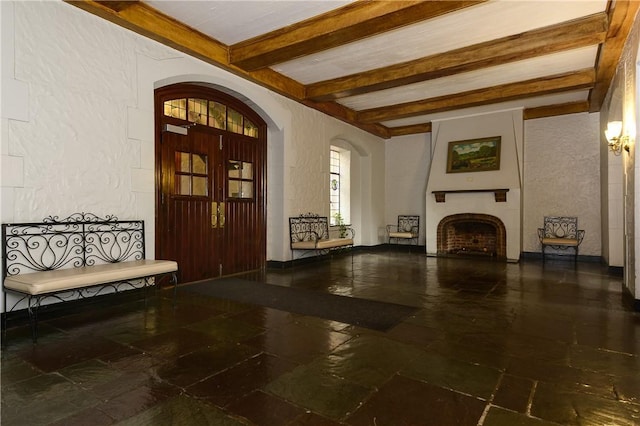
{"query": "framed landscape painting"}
pixel 474 155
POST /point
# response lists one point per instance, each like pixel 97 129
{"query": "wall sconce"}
pixel 615 138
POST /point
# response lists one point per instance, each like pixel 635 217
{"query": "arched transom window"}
pixel 210 113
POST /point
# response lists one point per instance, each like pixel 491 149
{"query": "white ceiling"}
pixel 232 22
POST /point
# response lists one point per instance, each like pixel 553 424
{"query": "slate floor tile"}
pixel 404 401
pixel 491 344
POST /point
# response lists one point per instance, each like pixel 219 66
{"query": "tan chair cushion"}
pixel 304 245
pixel 322 244
pixel 401 235
pixel 68 279
pixel 334 242
pixel 560 241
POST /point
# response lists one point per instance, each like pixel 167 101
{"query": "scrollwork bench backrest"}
pixel 308 227
pixel 81 239
pixel 407 223
pixel 561 227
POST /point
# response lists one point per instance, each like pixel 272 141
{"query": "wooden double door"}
pixel 211 192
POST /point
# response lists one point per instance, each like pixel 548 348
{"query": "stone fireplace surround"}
pixel 472 234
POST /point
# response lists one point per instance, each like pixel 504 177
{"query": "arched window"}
pixel 210 113
pixel 339 185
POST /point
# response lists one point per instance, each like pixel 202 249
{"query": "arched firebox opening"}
pixel 472 234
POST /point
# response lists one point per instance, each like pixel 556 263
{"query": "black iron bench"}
pixel 310 233
pixel 407 229
pixel 75 258
pixel 560 233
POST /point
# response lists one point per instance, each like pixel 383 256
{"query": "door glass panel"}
pixel 247 189
pixel 176 108
pixel 198 111
pixel 191 174
pixel 240 189
pixel 217 115
pixel 250 129
pixel 235 168
pixel 240 183
pixel 234 121
pixel 199 163
pixel 199 186
pixel 183 162
pixel 247 170
pixel 183 185
pixel 234 188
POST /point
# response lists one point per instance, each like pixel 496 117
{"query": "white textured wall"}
pixel 77 126
pixel 407 168
pixel 561 176
pixel 619 184
pixel 612 183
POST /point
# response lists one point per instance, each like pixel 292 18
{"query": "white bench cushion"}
pixel 334 242
pixel 68 279
pixel 560 241
pixel 322 244
pixel 401 235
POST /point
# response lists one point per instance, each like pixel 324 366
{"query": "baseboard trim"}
pixel 629 300
pixel 562 257
pixel 284 264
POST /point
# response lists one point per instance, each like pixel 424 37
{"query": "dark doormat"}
pixel 372 314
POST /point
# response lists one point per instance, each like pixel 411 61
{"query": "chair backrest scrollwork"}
pixel 561 227
pixel 409 223
pixel 81 239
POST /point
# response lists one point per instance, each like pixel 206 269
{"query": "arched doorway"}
pixel 210 182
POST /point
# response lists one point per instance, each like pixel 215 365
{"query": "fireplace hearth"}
pixel 472 234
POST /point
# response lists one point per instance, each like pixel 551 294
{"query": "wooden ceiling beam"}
pixel 554 110
pixel 117 5
pixel 578 80
pixel 583 32
pixel 528 114
pixel 411 129
pixel 622 14
pixel 348 115
pixel 352 22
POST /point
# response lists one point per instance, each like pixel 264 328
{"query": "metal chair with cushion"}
pixel 407 229
pixel 560 233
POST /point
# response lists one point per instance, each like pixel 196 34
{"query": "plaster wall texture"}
pixel 86 141
pixel 611 182
pixel 623 171
pixel 507 125
pixel 629 67
pixel 562 176
pixel 407 167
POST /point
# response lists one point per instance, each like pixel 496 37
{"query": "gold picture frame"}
pixel 474 155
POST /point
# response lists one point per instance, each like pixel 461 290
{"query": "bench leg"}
pixel 33 316
pixel 145 291
pixel 174 280
pixel 351 249
pixel 4 315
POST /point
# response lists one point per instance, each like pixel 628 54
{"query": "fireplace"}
pixel 472 234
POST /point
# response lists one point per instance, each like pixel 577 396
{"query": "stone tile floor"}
pixel 493 344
